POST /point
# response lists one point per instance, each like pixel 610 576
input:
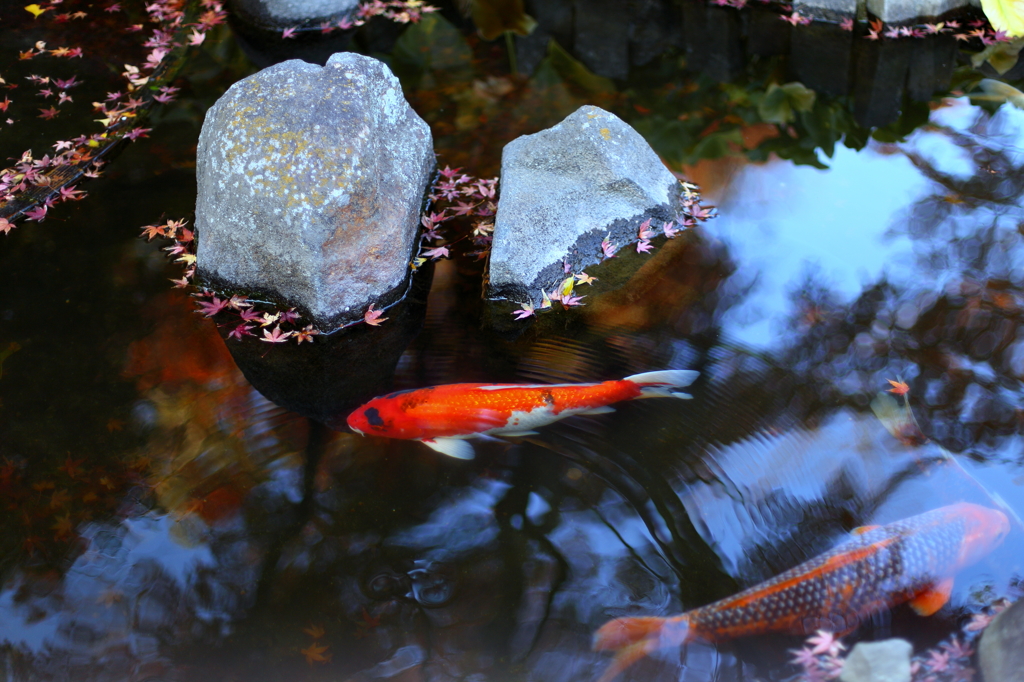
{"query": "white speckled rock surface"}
pixel 311 181
pixel 884 661
pixel 563 189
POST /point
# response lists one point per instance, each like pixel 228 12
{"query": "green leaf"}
pixel 574 72
pixel 780 101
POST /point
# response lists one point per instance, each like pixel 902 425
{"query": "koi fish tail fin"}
pixel 634 638
pixel 661 384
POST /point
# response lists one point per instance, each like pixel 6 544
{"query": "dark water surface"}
pixel 161 520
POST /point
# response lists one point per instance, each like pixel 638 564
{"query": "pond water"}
pixel 162 520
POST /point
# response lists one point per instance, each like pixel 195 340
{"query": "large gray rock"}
pixel 1000 653
pixel 562 190
pixel 885 661
pixel 311 181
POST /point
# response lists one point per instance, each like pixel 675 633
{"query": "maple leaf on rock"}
pixel 275 336
pixel 524 312
pixel 306 334
pixel 373 317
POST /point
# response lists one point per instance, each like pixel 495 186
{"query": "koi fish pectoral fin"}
pixel 604 409
pixel 860 530
pixel 929 601
pixel 453 447
pixel 515 434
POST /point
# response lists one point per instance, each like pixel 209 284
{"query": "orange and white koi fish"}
pixel 913 560
pixel 442 417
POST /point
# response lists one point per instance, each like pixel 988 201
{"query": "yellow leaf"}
pixel 1005 15
pixel 567 285
pixel 35 9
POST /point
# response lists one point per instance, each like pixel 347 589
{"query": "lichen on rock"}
pixel 565 190
pixel 311 181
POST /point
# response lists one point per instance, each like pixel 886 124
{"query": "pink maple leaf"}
pixel 241 330
pixel 6 225
pixel 373 317
pixel 288 32
pixel 825 642
pixel 805 658
pixel 71 194
pixel 289 315
pixel 938 661
pixel 37 213
pixel 669 229
pixel 846 24
pixel 276 336
pixel 436 252
pixel 607 248
pixel 196 37
pixel 643 246
pixel 251 315
pixel 571 301
pixel 645 230
pixel 211 307
pixel 524 312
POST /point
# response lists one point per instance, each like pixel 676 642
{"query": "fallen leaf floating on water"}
pixel 314 631
pixel 899 387
pixel 315 654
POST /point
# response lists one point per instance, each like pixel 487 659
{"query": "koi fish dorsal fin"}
pixel 453 447
pixel 660 384
pixel 860 530
pixel 932 599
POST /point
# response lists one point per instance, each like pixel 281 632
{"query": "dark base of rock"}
pixel 325 379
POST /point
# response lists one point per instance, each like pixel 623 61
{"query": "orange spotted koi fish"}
pixel 913 560
pixel 443 417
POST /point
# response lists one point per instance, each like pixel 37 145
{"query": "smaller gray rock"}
pixel 906 10
pixel 1000 653
pixel 885 661
pixel 563 190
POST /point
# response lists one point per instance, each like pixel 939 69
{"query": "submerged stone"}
pixel 563 191
pixel 885 661
pixel 310 185
pixel 1000 653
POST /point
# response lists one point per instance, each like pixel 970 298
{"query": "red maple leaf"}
pixel 899 387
